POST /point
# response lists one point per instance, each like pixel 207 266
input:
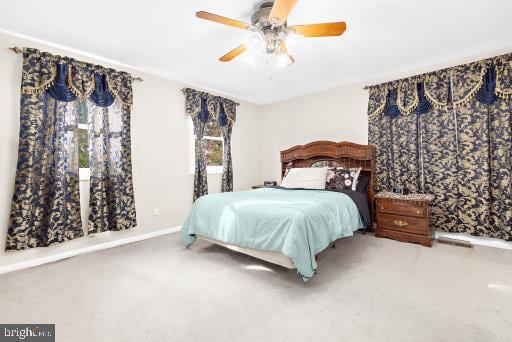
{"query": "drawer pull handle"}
pixel 400 223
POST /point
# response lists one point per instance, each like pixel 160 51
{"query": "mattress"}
pixel 296 223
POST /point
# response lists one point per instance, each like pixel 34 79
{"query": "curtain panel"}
pixel 449 133
pixel 46 202
pixel 204 108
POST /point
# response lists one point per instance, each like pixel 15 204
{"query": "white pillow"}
pixel 307 178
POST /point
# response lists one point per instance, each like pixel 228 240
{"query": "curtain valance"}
pixel 68 78
pixel 487 80
pixel 217 107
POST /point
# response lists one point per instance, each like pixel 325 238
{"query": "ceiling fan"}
pixel 270 32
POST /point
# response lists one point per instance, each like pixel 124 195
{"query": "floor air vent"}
pixel 454 242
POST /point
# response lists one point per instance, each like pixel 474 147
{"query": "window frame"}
pixel 210 169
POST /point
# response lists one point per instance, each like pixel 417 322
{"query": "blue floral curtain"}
pixel 46 202
pixel 204 108
pixel 449 133
pixel 201 176
pixel 226 118
pixel 112 202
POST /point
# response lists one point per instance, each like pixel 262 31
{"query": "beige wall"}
pixel 336 115
pixel 162 177
pixel 160 152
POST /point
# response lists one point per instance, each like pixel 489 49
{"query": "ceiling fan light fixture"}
pixel 250 60
pixel 271 42
pixel 254 42
pixel 291 38
pixel 283 60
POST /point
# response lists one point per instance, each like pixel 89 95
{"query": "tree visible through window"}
pixel 83 142
pixel 213 145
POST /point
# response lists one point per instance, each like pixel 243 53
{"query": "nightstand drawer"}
pixel 399 207
pixel 407 224
pixel 405 237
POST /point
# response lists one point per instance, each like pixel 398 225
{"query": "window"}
pixel 83 142
pixel 213 147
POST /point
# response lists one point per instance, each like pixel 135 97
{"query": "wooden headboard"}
pixel 345 153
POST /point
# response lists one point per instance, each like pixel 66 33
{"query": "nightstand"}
pixel 404 217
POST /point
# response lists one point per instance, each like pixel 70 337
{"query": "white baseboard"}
pixel 101 246
pixel 488 242
pixel 477 240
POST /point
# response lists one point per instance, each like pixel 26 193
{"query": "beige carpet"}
pixel 367 289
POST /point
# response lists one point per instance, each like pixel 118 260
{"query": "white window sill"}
pixel 84 174
pixel 214 170
pixel 210 170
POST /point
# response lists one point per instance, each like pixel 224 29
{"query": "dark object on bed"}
pixel 266 184
pixel 363 183
pixel 359 199
pixel 346 154
pixel 401 191
pixel 259 186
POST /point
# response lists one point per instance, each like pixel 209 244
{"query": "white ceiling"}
pixel 384 37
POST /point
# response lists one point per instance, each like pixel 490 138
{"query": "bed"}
pixel 288 227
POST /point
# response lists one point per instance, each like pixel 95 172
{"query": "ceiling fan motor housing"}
pixel 260 19
pixel 271 34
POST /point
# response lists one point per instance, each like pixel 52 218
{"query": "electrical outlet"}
pixel 156 211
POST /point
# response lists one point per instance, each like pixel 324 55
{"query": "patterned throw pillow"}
pixel 339 178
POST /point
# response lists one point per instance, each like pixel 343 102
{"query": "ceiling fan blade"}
pixel 282 45
pixel 233 53
pixel 320 30
pixel 222 20
pixel 281 10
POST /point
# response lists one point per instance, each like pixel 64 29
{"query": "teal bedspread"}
pixel 296 223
